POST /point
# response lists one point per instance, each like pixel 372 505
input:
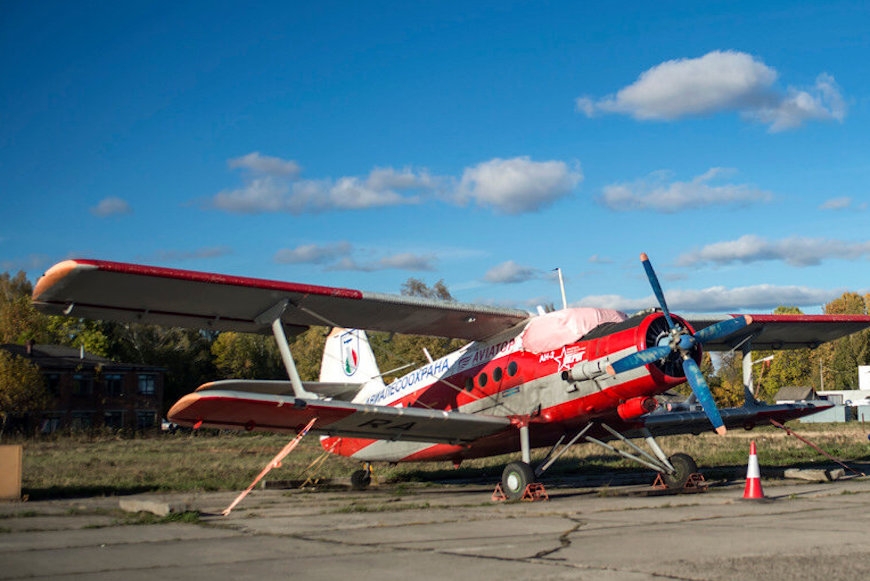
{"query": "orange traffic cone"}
pixel 753 489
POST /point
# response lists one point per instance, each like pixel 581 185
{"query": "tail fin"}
pixel 348 358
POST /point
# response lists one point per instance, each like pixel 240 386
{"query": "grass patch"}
pixel 79 466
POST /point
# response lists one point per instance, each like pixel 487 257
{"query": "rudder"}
pixel 348 358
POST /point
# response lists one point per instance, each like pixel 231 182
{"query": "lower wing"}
pixel 219 406
pixel 749 416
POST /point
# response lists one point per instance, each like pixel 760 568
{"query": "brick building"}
pixel 89 391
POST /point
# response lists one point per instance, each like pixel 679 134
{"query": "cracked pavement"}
pixel 801 531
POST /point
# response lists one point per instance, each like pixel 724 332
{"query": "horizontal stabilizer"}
pixel 330 389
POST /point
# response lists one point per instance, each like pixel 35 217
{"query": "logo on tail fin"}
pixel 350 353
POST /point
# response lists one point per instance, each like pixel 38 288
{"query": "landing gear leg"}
pixel 518 475
pixel 675 471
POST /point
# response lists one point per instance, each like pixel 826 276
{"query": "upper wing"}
pixel 218 405
pixel 782 331
pixel 695 422
pixel 115 291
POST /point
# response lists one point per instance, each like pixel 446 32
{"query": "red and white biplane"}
pixel 522 382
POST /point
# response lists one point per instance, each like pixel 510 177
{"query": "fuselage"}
pixel 555 391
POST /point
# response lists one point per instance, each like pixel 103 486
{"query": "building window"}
pixel 82 421
pixel 52 383
pixel 114 384
pixel 50 423
pixel 83 384
pixel 145 420
pixel 146 384
pixel 114 420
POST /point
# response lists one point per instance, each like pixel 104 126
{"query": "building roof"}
pixel 62 357
pixel 795 393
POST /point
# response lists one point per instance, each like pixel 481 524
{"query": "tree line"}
pixel 193 357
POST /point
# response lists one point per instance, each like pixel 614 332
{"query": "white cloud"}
pixel 720 81
pixel 313 253
pixel 763 298
pixel 840 203
pixel 795 251
pixel 509 273
pixel 266 165
pixel 656 193
pixel 518 185
pixel 111 206
pixel 401 261
pixel 791 110
pixel 282 193
pixel 510 186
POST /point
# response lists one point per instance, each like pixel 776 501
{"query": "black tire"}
pixel 515 478
pixel 685 466
pixel 360 479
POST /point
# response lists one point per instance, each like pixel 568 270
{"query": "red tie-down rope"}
pixel 273 463
pixel 791 432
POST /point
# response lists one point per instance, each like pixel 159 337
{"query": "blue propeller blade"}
pixel 645 357
pixel 702 392
pixel 657 288
pixel 722 329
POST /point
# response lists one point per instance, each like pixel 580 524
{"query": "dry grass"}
pixel 77 466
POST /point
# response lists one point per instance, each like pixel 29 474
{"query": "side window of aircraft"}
pixel 469 383
pixel 512 368
pixel 482 379
pixel 496 374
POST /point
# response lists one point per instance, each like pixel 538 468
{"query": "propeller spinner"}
pixel 681 341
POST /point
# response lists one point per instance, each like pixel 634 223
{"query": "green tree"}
pixel 417 288
pixel 184 353
pixel 22 388
pixel 247 356
pixel 19 321
pixel 74 332
pixel 789 367
pixel 841 358
pixel 307 348
pixel 727 383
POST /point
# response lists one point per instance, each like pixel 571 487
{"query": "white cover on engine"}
pixel 553 330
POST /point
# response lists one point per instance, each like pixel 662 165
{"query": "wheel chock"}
pixel 533 492
pixel 695 483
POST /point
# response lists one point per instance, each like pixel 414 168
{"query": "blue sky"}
pixel 485 144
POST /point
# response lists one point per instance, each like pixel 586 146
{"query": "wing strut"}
pixel 745 347
pixel 274 315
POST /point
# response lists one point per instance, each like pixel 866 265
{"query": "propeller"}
pixel 681 341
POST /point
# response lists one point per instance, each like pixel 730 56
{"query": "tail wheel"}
pixel 360 479
pixel 515 478
pixel 685 466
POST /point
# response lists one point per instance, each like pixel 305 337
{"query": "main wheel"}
pixel 515 478
pixel 685 466
pixel 360 479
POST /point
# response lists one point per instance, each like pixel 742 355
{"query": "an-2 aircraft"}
pixel 523 382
